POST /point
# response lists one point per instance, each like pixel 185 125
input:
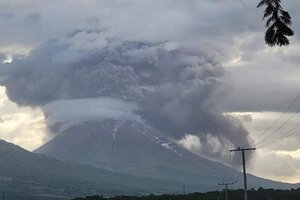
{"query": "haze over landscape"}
pixel 155 92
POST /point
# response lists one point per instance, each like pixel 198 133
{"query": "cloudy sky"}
pixel 257 82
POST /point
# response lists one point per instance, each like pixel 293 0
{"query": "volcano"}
pixel 134 148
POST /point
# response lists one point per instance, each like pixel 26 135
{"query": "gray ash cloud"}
pixel 177 89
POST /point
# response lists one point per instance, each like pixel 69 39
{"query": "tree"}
pixel 277 24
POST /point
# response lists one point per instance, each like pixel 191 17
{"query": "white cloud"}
pixel 82 110
pixel 276 166
pixel 190 142
pixel 21 126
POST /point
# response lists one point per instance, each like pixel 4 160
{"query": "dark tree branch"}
pixel 277 24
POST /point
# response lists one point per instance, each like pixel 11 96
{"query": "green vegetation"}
pixel 260 194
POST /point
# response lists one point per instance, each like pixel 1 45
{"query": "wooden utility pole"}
pixel 244 168
pixel 226 192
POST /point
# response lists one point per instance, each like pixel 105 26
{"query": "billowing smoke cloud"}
pixel 173 88
pixel 2 58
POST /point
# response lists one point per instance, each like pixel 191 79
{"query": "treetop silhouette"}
pixel 277 24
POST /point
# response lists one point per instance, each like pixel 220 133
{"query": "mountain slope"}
pixel 128 147
pixel 25 175
pixel 133 148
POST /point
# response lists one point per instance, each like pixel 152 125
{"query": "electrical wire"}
pixel 239 177
pixel 283 137
pixel 227 167
pixel 235 170
pixel 282 125
pixel 277 120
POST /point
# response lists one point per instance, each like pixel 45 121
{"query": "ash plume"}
pixel 174 89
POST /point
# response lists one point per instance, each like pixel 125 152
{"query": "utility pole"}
pixel 183 189
pixel 226 192
pixel 244 168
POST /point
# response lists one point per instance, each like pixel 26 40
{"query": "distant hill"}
pixel 26 175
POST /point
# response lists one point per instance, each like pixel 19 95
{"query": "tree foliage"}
pixel 277 24
pixel 259 194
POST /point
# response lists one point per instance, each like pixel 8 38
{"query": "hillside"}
pixel 32 176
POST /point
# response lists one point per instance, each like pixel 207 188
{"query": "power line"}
pixel 244 167
pixel 238 174
pixel 226 188
pixel 277 120
pixel 234 170
pixel 233 174
pixel 286 135
pixel 227 167
pixel 282 125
